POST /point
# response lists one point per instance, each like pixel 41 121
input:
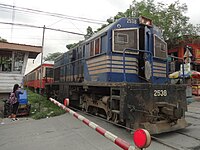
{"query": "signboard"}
pixel 187 69
pixel 187 56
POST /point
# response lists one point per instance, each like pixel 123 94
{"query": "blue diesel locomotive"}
pixel 121 73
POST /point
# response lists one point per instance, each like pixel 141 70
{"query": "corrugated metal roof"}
pixel 33 50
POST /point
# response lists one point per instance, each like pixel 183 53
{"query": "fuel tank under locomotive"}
pixel 157 108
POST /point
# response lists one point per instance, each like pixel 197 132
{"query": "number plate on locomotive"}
pixel 159 93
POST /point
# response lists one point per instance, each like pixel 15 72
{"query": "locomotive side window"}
pixel 80 55
pixel 92 48
pixel 104 42
pixel 83 51
pixel 97 46
pixel 160 47
pixel 56 74
pixel 87 50
pixel 125 38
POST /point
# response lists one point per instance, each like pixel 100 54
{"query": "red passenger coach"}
pixel 34 81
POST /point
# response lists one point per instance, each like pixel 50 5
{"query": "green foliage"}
pixel 41 107
pixel 3 40
pixel 88 35
pixel 89 32
pixel 52 56
pixel 170 18
pixel 69 46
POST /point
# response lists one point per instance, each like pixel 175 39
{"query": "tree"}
pixel 52 56
pixel 69 46
pixel 170 18
pixel 3 40
pixel 89 32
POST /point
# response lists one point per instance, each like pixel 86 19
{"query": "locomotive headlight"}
pixel 145 21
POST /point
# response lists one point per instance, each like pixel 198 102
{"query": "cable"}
pixel 23 9
pixel 33 26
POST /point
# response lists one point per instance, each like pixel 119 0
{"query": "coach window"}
pixel 92 48
pixel 18 61
pixel 97 46
pixel 38 74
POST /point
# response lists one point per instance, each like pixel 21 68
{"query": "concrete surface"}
pixel 67 133
pixel 62 132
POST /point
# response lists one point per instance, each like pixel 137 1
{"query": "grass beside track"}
pixel 41 107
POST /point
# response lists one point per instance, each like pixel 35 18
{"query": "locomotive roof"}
pixel 101 31
pixel 97 34
pixel 108 27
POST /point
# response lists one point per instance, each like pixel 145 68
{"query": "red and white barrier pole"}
pixel 118 141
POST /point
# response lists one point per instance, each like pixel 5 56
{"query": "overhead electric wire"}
pixel 23 9
pixel 33 26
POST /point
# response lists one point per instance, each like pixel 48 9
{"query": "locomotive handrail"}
pixel 104 53
pixel 124 68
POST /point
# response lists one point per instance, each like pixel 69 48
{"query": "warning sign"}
pixel 187 56
pixel 187 53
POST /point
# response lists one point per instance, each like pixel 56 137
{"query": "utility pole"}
pixel 41 70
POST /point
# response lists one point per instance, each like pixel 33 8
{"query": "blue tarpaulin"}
pixel 23 99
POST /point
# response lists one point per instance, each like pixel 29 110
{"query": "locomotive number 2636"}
pixel 158 93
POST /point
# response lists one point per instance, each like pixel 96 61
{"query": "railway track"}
pixel 193 116
pixel 167 139
pixel 179 139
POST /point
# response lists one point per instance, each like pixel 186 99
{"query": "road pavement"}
pixel 62 132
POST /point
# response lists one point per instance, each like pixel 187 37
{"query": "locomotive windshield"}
pixel 160 48
pixel 125 38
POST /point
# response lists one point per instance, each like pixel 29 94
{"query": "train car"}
pixel 121 73
pixel 187 48
pixel 34 81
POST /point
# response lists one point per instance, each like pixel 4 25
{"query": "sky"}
pixel 54 41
